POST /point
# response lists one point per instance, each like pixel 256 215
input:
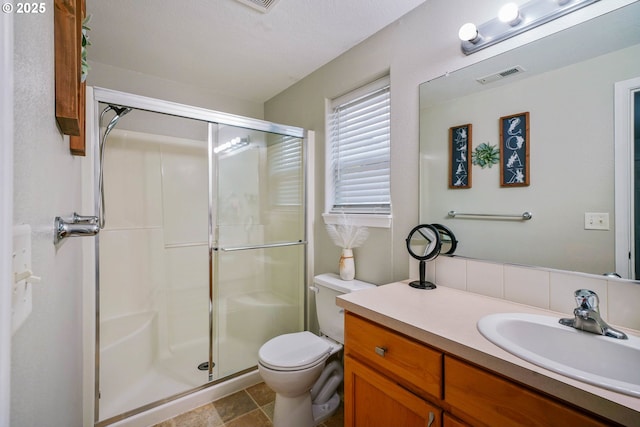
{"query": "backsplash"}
pixel 539 287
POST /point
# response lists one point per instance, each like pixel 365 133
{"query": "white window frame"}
pixel 332 217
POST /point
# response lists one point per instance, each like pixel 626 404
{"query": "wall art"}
pixel 460 156
pixel 514 150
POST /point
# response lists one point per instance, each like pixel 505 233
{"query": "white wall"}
pixel 46 351
pixel 110 77
pixel 420 46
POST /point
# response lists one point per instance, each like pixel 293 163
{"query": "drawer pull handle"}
pixel 380 351
pixel 432 418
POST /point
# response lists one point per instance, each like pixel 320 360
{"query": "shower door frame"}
pixel 91 319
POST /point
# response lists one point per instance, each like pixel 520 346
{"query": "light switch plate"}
pixel 21 299
pixel 596 221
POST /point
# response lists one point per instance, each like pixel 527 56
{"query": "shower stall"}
pixel 201 256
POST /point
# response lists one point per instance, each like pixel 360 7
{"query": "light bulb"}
pixel 468 32
pixel 509 14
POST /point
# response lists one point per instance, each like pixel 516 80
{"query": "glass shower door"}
pixel 202 258
pixel 259 242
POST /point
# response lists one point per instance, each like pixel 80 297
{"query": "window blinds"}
pixel 285 170
pixel 360 152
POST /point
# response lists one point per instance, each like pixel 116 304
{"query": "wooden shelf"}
pixel 70 92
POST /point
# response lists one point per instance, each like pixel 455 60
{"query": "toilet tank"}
pixel 331 317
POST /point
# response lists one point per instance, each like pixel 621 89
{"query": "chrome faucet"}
pixel 78 225
pixel 587 316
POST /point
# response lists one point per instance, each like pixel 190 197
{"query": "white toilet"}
pixel 293 365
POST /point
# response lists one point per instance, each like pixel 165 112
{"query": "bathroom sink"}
pixel 606 362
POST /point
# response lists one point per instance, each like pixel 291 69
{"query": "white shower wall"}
pixel 153 250
pixel 153 286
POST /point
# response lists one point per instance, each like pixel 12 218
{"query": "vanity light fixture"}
pixel 513 20
pixel 469 32
pixel 510 14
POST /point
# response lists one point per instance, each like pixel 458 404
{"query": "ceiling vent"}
pixel 263 6
pixel 501 75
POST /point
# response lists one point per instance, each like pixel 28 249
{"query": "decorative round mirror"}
pixel 424 245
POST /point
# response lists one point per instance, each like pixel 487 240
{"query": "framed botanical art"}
pixel 514 150
pixel 460 156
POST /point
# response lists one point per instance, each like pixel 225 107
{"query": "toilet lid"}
pixel 294 351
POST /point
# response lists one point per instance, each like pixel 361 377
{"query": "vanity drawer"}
pixel 494 401
pixel 414 365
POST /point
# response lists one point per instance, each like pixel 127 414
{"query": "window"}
pixel 358 151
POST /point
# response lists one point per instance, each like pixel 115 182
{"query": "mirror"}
pixel 448 242
pixel 423 243
pixel 567 87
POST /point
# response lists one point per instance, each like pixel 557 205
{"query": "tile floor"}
pixel 251 407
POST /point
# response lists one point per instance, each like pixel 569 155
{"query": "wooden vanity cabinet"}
pixel 390 380
pixel 393 380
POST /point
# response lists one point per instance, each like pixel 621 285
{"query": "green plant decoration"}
pixel 485 155
pixel 83 51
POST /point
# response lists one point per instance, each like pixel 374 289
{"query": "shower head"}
pixel 120 111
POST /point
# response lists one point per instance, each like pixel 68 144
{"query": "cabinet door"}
pixel 372 400
pixel 495 401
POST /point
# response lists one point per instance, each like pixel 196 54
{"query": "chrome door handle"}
pixel 380 351
pixel 264 246
pixel 432 418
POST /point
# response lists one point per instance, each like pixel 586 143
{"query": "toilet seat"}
pixel 294 352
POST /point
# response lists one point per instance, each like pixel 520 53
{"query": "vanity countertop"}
pixel 446 318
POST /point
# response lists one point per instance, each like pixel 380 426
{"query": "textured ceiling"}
pixel 228 47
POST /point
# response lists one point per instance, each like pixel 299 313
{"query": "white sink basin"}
pixel 603 361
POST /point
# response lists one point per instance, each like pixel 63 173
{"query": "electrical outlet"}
pixel 596 221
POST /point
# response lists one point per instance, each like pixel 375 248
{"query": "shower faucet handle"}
pixel 64 229
pixel 83 219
